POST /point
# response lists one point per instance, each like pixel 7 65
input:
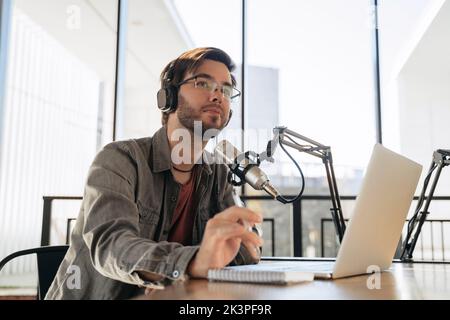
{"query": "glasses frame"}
pixel 233 97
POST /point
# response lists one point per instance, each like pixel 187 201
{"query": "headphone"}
pixel 167 97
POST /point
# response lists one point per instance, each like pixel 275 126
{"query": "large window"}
pixel 57 109
pixel 310 68
pixel 158 32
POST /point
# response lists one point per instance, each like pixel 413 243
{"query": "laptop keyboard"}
pixel 309 266
pixel 321 266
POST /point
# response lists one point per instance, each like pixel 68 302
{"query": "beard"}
pixel 187 115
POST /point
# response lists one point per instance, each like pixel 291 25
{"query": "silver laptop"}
pixel 375 227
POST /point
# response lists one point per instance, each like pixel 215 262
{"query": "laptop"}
pixel 374 230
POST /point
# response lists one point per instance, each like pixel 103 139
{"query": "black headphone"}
pixel 167 96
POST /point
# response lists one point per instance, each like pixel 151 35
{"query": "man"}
pixel 154 213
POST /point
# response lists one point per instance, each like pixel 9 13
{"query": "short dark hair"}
pixel 176 70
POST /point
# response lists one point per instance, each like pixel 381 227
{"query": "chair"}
pixel 48 260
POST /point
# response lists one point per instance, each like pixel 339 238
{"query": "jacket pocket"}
pixel 147 215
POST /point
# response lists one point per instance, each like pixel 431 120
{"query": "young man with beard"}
pixel 154 213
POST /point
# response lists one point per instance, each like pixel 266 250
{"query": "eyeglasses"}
pixel 209 85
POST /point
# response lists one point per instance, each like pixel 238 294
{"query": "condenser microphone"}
pixel 242 167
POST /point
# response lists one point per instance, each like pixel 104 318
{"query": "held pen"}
pixel 257 227
pixel 239 203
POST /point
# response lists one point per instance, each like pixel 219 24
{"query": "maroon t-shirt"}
pixel 184 214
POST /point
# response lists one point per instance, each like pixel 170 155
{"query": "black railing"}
pixel 421 247
pixel 431 223
pixel 272 234
pixel 297 208
pixel 69 229
pixel 323 221
pixel 47 216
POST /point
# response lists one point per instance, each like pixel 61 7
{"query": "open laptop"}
pixel 374 230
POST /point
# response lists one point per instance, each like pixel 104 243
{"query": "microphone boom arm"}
pixel 286 137
pixel 441 159
pixel 243 167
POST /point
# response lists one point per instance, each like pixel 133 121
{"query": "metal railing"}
pixel 324 221
pixel 47 216
pixel 296 211
pixel 421 247
pixel 431 222
pixel 272 234
pixel 297 215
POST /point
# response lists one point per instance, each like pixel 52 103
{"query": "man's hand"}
pixel 222 239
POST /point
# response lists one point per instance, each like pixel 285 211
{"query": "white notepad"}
pixel 260 273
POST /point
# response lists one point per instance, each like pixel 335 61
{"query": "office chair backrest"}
pixel 48 260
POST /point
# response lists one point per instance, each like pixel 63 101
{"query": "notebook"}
pixel 259 273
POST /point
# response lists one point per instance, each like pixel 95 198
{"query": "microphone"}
pixel 243 168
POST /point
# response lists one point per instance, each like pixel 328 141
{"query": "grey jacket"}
pixel 125 218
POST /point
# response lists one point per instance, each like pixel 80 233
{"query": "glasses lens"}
pixel 203 83
pixel 227 91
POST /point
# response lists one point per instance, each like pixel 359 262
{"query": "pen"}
pixel 239 203
pixel 257 227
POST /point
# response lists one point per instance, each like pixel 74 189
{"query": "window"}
pixel 57 109
pixel 310 68
pixel 174 27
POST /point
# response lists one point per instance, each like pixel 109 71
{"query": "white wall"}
pixel 402 24
pixel 424 97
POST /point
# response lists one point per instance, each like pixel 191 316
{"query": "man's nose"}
pixel 216 95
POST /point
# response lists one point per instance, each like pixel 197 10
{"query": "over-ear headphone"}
pixel 167 96
pixel 168 99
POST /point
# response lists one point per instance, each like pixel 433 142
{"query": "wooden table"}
pixel 402 281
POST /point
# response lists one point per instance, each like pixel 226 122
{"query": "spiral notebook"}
pixel 259 273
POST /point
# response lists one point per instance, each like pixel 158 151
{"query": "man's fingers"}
pixel 254 250
pixel 235 214
pixel 252 243
pixel 253 238
pixel 224 230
